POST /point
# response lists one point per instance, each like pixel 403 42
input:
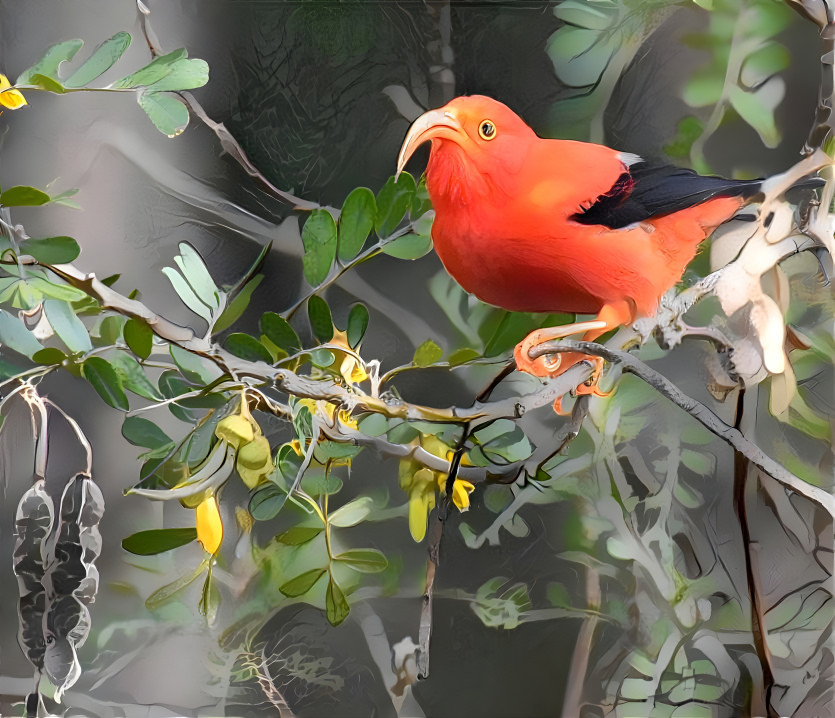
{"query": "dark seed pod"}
pixel 71 580
pixel 33 525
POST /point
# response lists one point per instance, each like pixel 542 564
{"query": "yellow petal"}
pixel 235 430
pixel 209 524
pixel 461 491
pixel 352 371
pixel 9 97
pixel 346 418
pixel 421 503
pixel 434 445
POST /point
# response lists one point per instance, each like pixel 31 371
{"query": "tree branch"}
pixel 699 412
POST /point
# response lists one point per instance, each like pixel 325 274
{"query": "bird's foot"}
pixel 557 363
pixel 551 365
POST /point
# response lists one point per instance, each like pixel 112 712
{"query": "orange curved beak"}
pixel 440 124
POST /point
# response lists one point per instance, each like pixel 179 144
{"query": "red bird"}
pixel 537 225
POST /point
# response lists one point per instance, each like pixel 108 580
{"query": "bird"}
pixel 547 225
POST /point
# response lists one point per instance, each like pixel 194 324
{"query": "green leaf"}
pixel 102 59
pixel 319 238
pixel 167 592
pixel 704 88
pixel 764 62
pixel 139 337
pixel 462 356
pixel 352 513
pixel 57 291
pixel 105 381
pixel 364 560
pixel 148 543
pixel 152 72
pixel 210 599
pixel 299 535
pixel 753 109
pixel 142 432
pixel 278 330
pixel 247 347
pixel 49 84
pixel 319 314
pixel 336 606
pixel 184 75
pixel 374 425
pixel 409 246
pixel 167 112
pixel 427 353
pixel 393 201
pixel 356 222
pixel 186 294
pixel 194 368
pixel 580 55
pixel 238 305
pixel 15 335
pixel 133 376
pixel 48 64
pixel 512 328
pixel 266 502
pixel 49 356
pixel 319 483
pixel 584 14
pixel 194 269
pixel 67 326
pixel 23 196
pixel 110 329
pixel 357 324
pixel 302 583
pixel 322 358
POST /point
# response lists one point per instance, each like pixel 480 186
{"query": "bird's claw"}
pixel 555 364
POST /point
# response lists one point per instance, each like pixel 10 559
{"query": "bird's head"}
pixel 477 135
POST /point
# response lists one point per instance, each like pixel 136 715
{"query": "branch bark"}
pixel 698 411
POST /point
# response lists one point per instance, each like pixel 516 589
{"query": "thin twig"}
pixel 698 411
pixel 758 627
pixel 229 144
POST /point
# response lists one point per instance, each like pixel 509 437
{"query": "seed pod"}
pixel 71 580
pixel 255 454
pixel 235 430
pixel 33 524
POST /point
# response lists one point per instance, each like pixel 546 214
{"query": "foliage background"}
pixel 302 87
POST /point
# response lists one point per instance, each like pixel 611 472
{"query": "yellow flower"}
pixel 9 97
pixel 421 483
pixel 351 370
pixel 209 524
pixel 461 491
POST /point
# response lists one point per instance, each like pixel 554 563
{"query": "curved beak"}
pixel 435 124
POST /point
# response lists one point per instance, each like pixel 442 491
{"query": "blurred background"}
pixel 320 95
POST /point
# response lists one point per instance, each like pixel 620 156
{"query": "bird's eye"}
pixel 487 130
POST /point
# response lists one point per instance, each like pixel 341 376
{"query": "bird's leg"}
pixel 551 365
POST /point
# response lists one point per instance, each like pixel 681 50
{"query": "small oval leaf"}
pixel 139 337
pixel 302 583
pixel 106 382
pixel 148 543
pixel 364 560
pixel 247 347
pixel 321 321
pixel 299 535
pixel 336 605
pixel 51 250
pixel 356 222
pixel 278 330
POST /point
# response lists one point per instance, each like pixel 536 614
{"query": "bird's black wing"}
pixel 644 191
